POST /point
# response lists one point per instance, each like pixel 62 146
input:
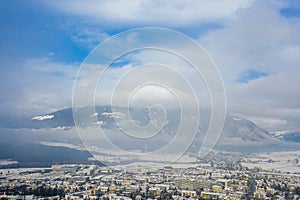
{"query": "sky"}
pixel 254 43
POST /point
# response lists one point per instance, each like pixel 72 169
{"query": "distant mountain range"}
pixel 238 134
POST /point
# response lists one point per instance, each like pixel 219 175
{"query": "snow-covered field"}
pixel 117 156
pixel 287 161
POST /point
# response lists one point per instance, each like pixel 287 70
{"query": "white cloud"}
pixel 152 92
pixel 254 37
pixel 139 84
pixel 260 39
pixel 166 12
pixel 85 34
pixel 38 85
pixel 47 66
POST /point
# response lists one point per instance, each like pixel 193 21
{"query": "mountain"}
pixel 39 155
pixel 59 119
pixel 244 131
pixel 63 119
pixel 238 134
pixel 244 135
pixel 288 136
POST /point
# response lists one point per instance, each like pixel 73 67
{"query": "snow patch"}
pixel 98 123
pixel 60 128
pixel 42 117
pixel 286 132
pixel 237 119
pixel 113 114
pixel 95 114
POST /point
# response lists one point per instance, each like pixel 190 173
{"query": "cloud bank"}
pixel 256 45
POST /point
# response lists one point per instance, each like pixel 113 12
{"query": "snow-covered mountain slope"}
pixel 242 131
pixel 237 134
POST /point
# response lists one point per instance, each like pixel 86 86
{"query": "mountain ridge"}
pixel 237 132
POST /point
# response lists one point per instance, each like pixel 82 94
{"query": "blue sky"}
pixel 250 75
pixel 31 30
pixel 256 45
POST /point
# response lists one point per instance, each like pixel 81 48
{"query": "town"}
pixel 205 181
